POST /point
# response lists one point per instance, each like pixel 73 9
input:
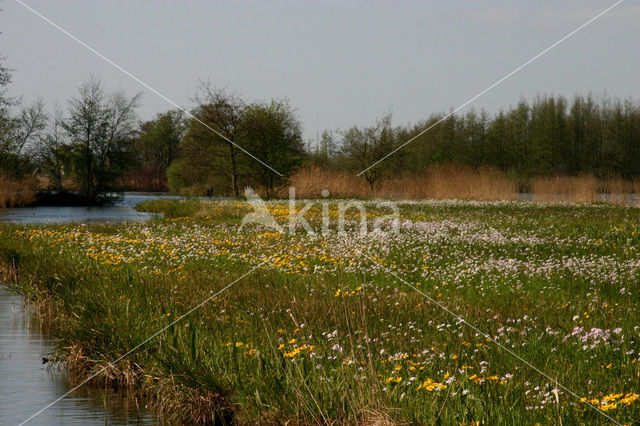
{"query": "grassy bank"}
pixel 320 333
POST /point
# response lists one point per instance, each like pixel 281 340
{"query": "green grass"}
pixel 320 334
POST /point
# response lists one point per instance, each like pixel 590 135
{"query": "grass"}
pixel 320 334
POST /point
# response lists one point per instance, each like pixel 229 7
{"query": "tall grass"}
pixel 311 181
pixel 440 182
pixel 621 191
pixel 453 181
pixel 448 181
pixel 565 188
pixel 17 192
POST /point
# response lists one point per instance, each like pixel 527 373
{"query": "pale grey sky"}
pixel 345 62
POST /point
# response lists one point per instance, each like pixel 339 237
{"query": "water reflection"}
pixel 27 385
pixel 123 210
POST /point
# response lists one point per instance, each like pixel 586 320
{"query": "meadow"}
pixel 494 312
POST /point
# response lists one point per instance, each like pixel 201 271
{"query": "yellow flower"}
pixel 629 398
pixel 396 379
pixel 431 385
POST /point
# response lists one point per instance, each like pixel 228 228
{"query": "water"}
pixel 119 212
pixel 27 385
pixel 622 199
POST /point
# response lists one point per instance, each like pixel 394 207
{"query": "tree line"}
pixel 549 136
pixel 96 146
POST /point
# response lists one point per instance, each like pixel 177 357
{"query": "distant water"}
pixel 27 385
pixel 119 212
pixel 625 199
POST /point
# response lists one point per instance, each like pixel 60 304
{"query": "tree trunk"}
pixel 234 173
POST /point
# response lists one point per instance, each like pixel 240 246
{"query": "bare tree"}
pixel 29 125
pixel 51 150
pixel 100 127
pixel 363 147
pixel 17 131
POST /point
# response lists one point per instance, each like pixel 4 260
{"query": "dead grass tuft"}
pixel 376 418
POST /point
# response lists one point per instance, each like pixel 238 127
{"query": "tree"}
pixel 156 147
pixel 273 134
pixel 363 147
pixel 17 131
pixel 6 103
pixel 222 112
pixel 328 146
pixel 29 126
pixel 100 127
pixel 54 152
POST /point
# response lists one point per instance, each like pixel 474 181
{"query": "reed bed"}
pixel 452 181
pixel 621 191
pixel 17 192
pixel 447 181
pixel 565 188
pixel 311 181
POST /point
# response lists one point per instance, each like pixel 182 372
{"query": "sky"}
pixel 340 63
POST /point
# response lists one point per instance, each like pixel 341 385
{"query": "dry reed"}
pixel 309 182
pixel 451 181
pixel 578 189
pixel 441 182
pixel 17 192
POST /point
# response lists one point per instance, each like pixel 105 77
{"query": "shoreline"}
pixel 164 398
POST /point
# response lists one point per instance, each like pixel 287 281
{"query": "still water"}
pixel 26 384
pixel 119 212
